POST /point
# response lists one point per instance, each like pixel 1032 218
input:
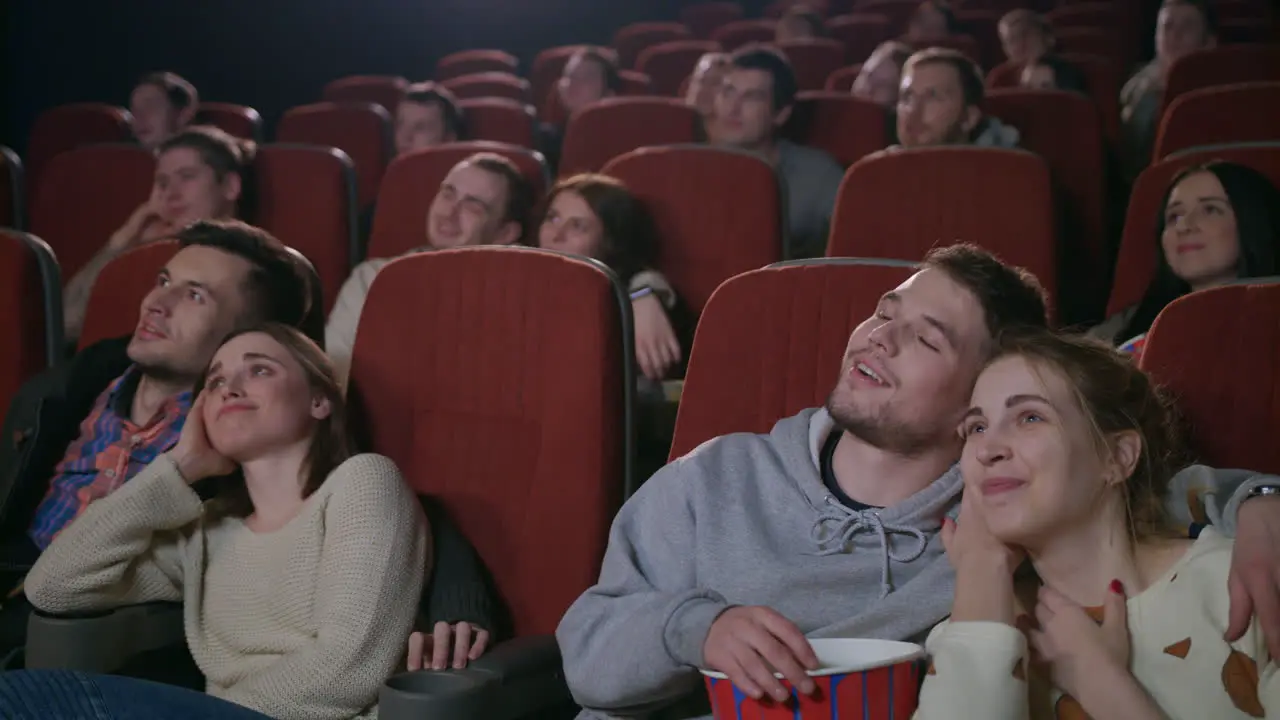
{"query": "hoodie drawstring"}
pixel 848 523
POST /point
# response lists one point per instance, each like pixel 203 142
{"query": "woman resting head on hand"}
pixel 301 577
pixel 1068 454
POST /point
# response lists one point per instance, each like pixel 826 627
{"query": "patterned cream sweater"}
pixel 304 622
pixel 980 670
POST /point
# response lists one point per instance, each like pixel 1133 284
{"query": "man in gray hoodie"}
pixel 733 555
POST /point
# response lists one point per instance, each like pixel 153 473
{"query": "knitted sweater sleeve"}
pixel 459 589
pixel 125 548
pixel 370 577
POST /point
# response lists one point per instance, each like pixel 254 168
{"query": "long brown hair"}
pixel 1115 397
pixel 331 443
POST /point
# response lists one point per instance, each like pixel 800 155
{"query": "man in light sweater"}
pixel 754 103
pixel 484 200
pixel 732 556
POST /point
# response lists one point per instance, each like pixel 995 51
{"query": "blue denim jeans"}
pixel 66 695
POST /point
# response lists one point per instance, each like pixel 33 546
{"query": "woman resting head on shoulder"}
pixel 300 578
pixel 1219 222
pixel 597 216
pixel 1069 451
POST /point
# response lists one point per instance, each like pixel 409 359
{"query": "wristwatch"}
pixel 1263 490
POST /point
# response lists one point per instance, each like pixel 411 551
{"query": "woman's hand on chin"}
pixel 984 567
pixel 195 457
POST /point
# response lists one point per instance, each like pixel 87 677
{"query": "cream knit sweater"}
pixel 304 622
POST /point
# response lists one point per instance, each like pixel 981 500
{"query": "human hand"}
pixel 1254 580
pixel 657 348
pixel 748 644
pixel 1078 650
pixel 194 455
pixel 447 646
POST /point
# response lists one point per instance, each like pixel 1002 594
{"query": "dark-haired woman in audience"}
pixel 932 20
pixel 1069 450
pixel 299 580
pixel 200 175
pixel 1051 72
pixel 596 216
pixel 1220 223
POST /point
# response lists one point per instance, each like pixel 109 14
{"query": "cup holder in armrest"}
pixel 102 642
pixel 439 695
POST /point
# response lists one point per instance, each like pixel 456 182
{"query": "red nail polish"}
pixel 1117 587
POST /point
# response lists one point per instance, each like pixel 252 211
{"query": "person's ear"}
pixel 972 116
pixel 320 407
pixel 1126 452
pixel 232 186
pixel 186 116
pixel 509 233
pixel 781 117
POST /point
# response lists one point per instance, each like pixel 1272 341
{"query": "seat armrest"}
pixel 518 678
pixel 102 642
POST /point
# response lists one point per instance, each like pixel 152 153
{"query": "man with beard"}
pixel 732 556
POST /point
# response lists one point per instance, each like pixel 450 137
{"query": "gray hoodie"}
pixel 746 520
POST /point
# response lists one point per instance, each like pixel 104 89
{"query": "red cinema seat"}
pixel 67 127
pixel 897 12
pixel 1241 112
pixel 604 130
pixel 307 199
pixel 1222 65
pixel 547 67
pixel 1065 129
pixel 104 184
pixel 813 60
pixel 703 18
pixel 115 302
pixel 734 35
pixel 1105 43
pixel 1101 76
pixel 384 90
pixel 631 40
pixel 13 200
pixel 770 343
pixel 361 130
pixel 999 199
pixel 470 62
pixel 718 212
pixel 668 65
pixel 845 127
pixel 634 83
pixel 400 219
pixel 489 85
pixel 861 33
pixel 235 120
pixel 460 346
pixel 1137 257
pixel 499 120
pixel 30 311
pixel 1218 353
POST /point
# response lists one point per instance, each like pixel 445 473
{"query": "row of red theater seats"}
pixel 1001 198
pixel 769 342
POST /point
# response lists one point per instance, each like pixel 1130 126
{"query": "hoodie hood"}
pixel 993 133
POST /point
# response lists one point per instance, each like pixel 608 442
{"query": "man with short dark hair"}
pixel 428 115
pixel 590 75
pixel 484 200
pixel 1025 36
pixel 799 23
pixel 1182 27
pixel 85 428
pixel 734 555
pixel 160 105
pixel 940 103
pixel 755 101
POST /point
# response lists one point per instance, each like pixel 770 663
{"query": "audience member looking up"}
pixel 881 74
pixel 589 76
pixel 161 105
pixel 1182 27
pixel 484 200
pixel 596 216
pixel 754 103
pixel 932 20
pixel 844 501
pixel 1051 72
pixel 300 578
pixel 941 104
pixel 99 419
pixel 428 115
pixel 704 85
pixel 1220 222
pixel 202 173
pixel 800 23
pixel 1069 451
pixel 1025 36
